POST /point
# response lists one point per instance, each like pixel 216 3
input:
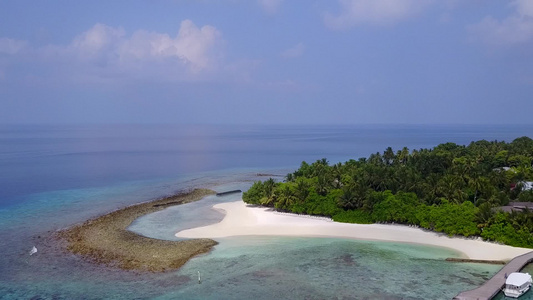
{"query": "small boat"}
pixel 517 284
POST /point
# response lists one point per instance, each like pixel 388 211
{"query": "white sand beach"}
pixel 242 220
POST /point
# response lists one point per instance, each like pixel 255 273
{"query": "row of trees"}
pixel 451 188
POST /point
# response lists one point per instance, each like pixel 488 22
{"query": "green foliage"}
pixel 254 194
pixel 399 208
pixel 500 159
pixel 322 205
pixel 454 219
pixel 525 196
pixel 353 216
pixel 509 229
pixel 451 188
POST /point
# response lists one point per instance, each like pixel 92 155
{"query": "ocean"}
pixel 54 176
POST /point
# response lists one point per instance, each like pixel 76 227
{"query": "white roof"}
pixel 518 279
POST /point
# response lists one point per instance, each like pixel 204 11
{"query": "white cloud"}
pixel 96 45
pixel 514 29
pixel 294 51
pixel 375 12
pixel 192 46
pixel 270 6
pixel 524 7
pixel 11 46
pixel 99 38
pixel 106 54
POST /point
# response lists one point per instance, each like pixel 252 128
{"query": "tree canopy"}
pixel 454 189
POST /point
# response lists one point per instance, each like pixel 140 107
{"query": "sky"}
pixel 266 61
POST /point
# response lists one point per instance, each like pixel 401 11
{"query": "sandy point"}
pixel 242 220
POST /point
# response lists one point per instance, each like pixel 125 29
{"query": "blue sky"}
pixel 266 61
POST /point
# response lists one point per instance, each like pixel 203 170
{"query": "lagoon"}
pixel 56 176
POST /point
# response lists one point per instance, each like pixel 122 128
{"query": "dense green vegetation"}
pixel 451 188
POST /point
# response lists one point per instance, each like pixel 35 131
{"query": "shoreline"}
pixel 106 240
pixel 245 220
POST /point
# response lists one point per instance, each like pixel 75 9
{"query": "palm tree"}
pixel 375 159
pixel 450 187
pixel 289 177
pixel 523 172
pixel 431 188
pixel 499 179
pixel 269 189
pixel 322 185
pixel 476 183
pixel 388 156
pixel 302 189
pixel 285 198
pixel 484 214
pixel 347 199
pixel 353 197
pixel 402 156
pixel 336 172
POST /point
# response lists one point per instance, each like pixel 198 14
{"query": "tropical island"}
pixel 452 189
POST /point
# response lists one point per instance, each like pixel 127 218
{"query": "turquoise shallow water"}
pixel 238 268
pixel 303 268
pixel 52 274
pixel 308 268
pixel 54 176
pixel 270 268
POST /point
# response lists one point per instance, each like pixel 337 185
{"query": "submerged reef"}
pixel 106 240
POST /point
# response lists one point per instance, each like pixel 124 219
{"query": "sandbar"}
pixel 106 240
pixel 247 220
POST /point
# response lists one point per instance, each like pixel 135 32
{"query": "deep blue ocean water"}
pixel 54 176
